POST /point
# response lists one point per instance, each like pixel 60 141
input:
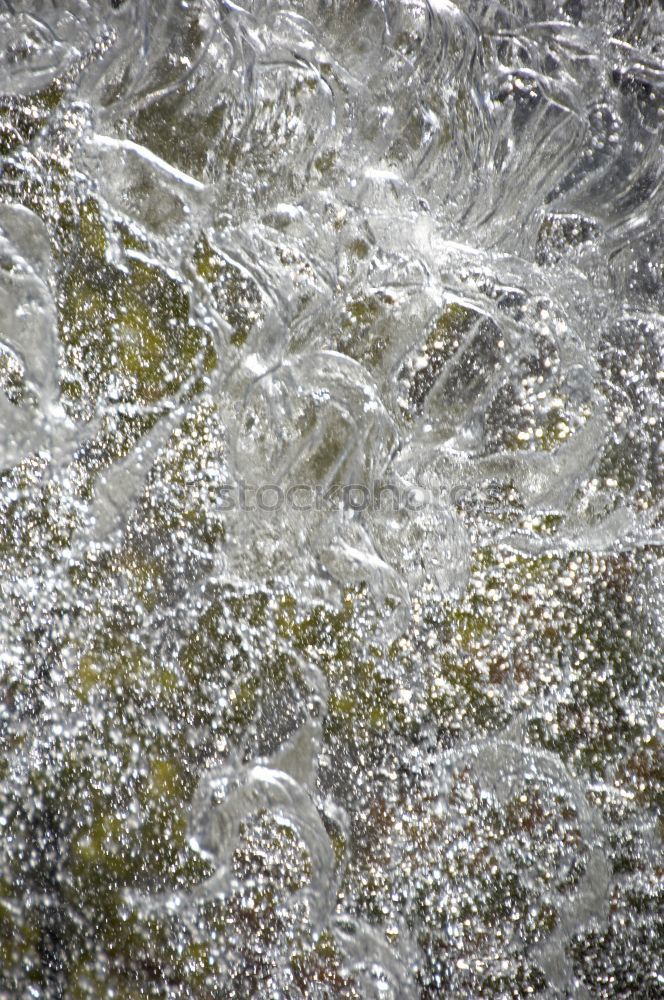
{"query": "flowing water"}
pixel 332 471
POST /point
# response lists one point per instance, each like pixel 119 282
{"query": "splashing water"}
pixel 331 476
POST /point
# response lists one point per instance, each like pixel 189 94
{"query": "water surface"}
pixel 332 465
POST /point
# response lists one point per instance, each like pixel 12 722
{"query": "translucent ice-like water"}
pixel 331 480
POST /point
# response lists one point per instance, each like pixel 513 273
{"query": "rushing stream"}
pixel 331 499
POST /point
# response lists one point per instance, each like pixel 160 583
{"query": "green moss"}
pixel 362 312
pixel 39 522
pixel 324 163
pixel 362 698
pixel 92 230
pixel 317 627
pixel 236 295
pixel 442 339
pixel 21 119
pixel 321 966
pixel 185 474
pixel 132 322
pixel 208 264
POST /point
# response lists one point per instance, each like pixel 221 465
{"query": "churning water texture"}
pixel 331 499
